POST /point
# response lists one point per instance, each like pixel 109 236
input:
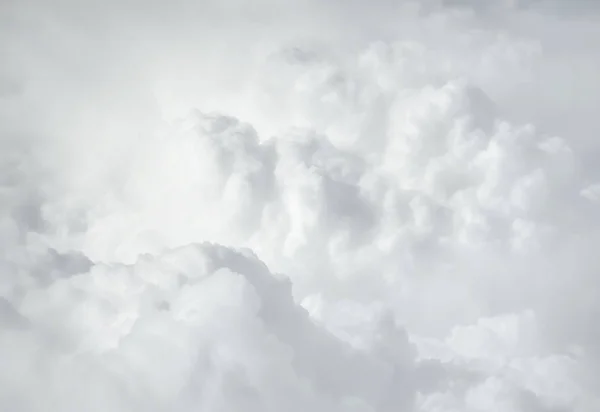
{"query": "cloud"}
pixel 202 326
pixel 341 207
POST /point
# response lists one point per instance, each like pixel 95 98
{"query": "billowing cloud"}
pixel 343 207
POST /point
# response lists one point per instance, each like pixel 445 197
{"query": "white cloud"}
pixel 414 180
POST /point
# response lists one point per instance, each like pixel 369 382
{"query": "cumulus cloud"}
pixel 328 207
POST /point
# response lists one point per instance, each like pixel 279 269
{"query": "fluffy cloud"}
pixel 201 327
pixel 213 207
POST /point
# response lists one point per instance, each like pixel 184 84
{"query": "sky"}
pixel 343 206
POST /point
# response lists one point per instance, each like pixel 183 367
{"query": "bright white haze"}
pixel 299 206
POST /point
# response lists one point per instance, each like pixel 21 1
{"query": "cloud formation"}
pixel 216 207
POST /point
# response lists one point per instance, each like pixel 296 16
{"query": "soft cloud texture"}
pixel 217 206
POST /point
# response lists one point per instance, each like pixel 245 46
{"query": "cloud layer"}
pixel 215 207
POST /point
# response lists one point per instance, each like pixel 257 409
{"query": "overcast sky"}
pixel 346 206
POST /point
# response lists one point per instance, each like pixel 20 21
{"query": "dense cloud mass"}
pixel 299 206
